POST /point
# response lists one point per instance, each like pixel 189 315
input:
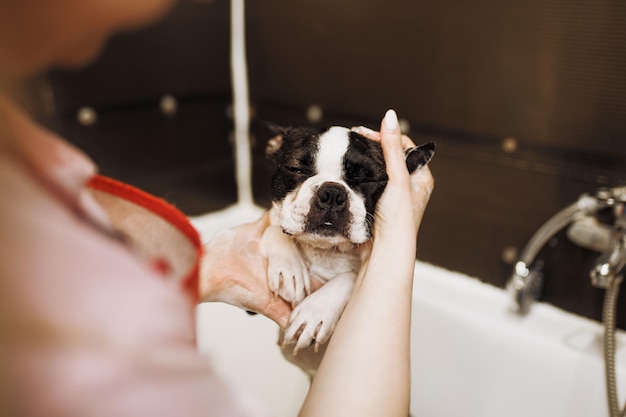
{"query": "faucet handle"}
pixel 589 233
pixel 612 196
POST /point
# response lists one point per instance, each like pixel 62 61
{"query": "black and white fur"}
pixel 324 192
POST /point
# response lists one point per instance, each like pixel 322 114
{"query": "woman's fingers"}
pixel 375 136
pixel 391 142
pixel 367 132
pixel 402 187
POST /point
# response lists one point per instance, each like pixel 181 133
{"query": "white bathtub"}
pixel 470 355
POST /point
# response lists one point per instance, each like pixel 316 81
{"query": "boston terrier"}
pixel 324 192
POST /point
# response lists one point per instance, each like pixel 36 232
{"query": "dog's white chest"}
pixel 325 264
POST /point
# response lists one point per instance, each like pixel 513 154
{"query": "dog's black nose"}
pixel 332 196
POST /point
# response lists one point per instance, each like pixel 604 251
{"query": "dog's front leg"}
pixel 287 271
pixel 315 318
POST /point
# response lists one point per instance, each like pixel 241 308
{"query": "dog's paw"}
pixel 312 322
pixel 288 277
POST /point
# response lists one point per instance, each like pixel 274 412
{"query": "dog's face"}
pixel 327 183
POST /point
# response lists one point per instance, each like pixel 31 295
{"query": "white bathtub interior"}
pixel 470 355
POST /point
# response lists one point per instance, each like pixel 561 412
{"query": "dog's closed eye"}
pixel 294 170
pixel 358 173
pixel 297 169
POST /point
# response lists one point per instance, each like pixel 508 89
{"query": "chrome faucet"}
pixel 526 281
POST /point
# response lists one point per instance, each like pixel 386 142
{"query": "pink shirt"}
pixel 86 327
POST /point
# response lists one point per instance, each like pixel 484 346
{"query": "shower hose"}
pixel 609 313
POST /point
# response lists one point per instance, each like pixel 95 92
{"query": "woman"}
pixel 87 328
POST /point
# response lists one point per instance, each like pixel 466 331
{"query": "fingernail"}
pixel 391 120
pixel 72 158
pixel 93 210
pixel 66 179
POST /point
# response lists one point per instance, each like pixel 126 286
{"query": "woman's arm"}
pixel 365 370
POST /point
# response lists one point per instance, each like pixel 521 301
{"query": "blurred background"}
pixel 525 99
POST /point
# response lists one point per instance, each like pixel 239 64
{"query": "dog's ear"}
pixel 273 145
pixel 419 156
pixel 275 142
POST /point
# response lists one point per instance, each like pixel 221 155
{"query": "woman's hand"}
pixel 234 271
pixel 393 218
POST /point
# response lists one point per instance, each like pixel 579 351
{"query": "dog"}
pixel 324 191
